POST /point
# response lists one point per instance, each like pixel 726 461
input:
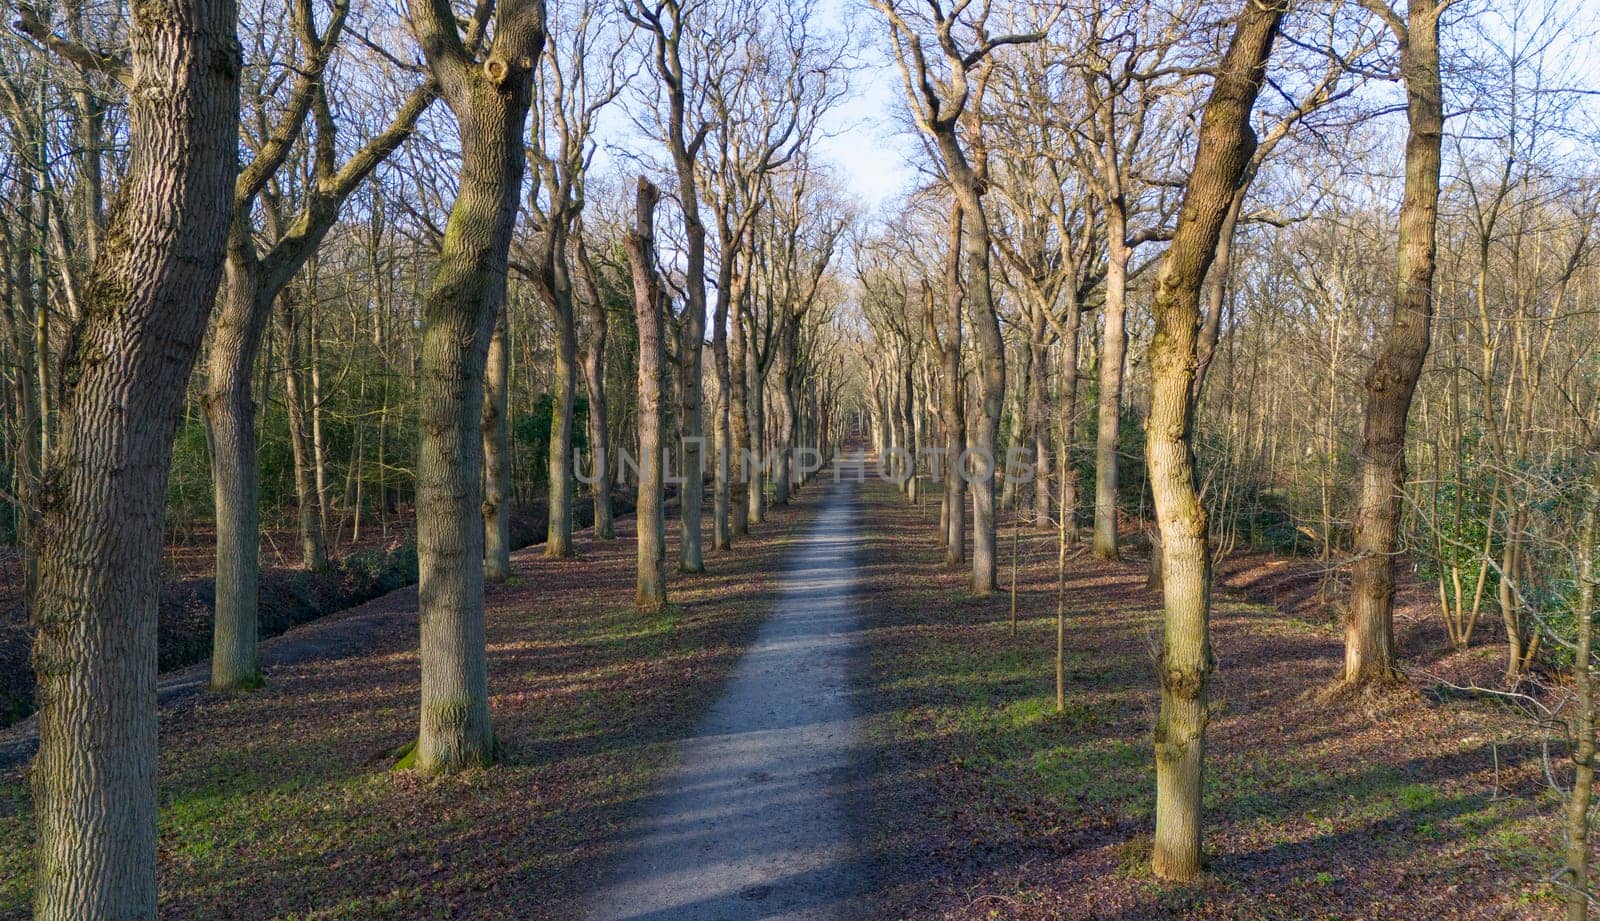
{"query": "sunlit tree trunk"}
pixel 651 591
pixel 497 453
pixel 952 404
pixel 1369 629
pixel 490 100
pixel 1038 421
pixel 1581 798
pixel 104 492
pixel 756 498
pixel 1113 356
pixel 1185 662
pixel 231 434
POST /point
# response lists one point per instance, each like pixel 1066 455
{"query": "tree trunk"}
pixel 594 377
pixel 951 405
pixel 1185 664
pixel 1068 413
pixel 104 493
pixel 739 423
pixel 651 592
pixel 490 101
pixel 756 500
pixel 785 434
pixel 1369 631
pixel 313 545
pixel 991 388
pixel 497 453
pixel 319 454
pixel 1113 355
pixel 730 288
pixel 1038 418
pixel 230 412
pixel 1576 871
pixel 558 533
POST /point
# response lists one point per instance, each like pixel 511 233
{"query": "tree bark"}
pixel 650 595
pixel 1186 662
pixel 1068 414
pixel 231 433
pixel 497 453
pixel 1369 630
pixel 490 100
pixel 1038 421
pixel 756 498
pixel 739 422
pixel 991 381
pixel 1113 356
pixel 313 543
pixel 594 377
pixel 558 536
pixel 104 492
pixel 1581 799
pixel 727 522
pixel 951 404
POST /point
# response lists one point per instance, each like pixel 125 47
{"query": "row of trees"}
pixel 408 264
pixel 1398 351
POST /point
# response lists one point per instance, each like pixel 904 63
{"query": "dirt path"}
pixel 754 821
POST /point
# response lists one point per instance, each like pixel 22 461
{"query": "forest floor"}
pixel 361 567
pixel 1390 806
pixel 281 804
pixel 966 795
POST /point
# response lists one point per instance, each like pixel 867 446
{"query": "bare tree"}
pixel 1224 150
pixel 939 101
pixel 488 84
pixel 1369 653
pixel 254 279
pixel 651 593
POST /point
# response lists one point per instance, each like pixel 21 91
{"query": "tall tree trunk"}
pixel 721 524
pixel 558 539
pixel 1113 356
pixel 991 372
pixel 497 452
pixel 951 404
pixel 739 423
pixel 1185 664
pixel 1067 404
pixel 594 377
pixel 1369 653
pixel 650 594
pixel 1038 421
pixel 253 283
pixel 104 493
pixel 1581 799
pixel 785 435
pixel 319 454
pixel 230 413
pixel 313 545
pixel 490 100
pixel 756 500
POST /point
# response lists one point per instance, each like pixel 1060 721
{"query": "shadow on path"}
pixel 754 822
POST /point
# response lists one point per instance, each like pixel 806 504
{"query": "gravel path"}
pixel 754 822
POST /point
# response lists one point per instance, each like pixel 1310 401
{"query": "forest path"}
pixel 754 821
